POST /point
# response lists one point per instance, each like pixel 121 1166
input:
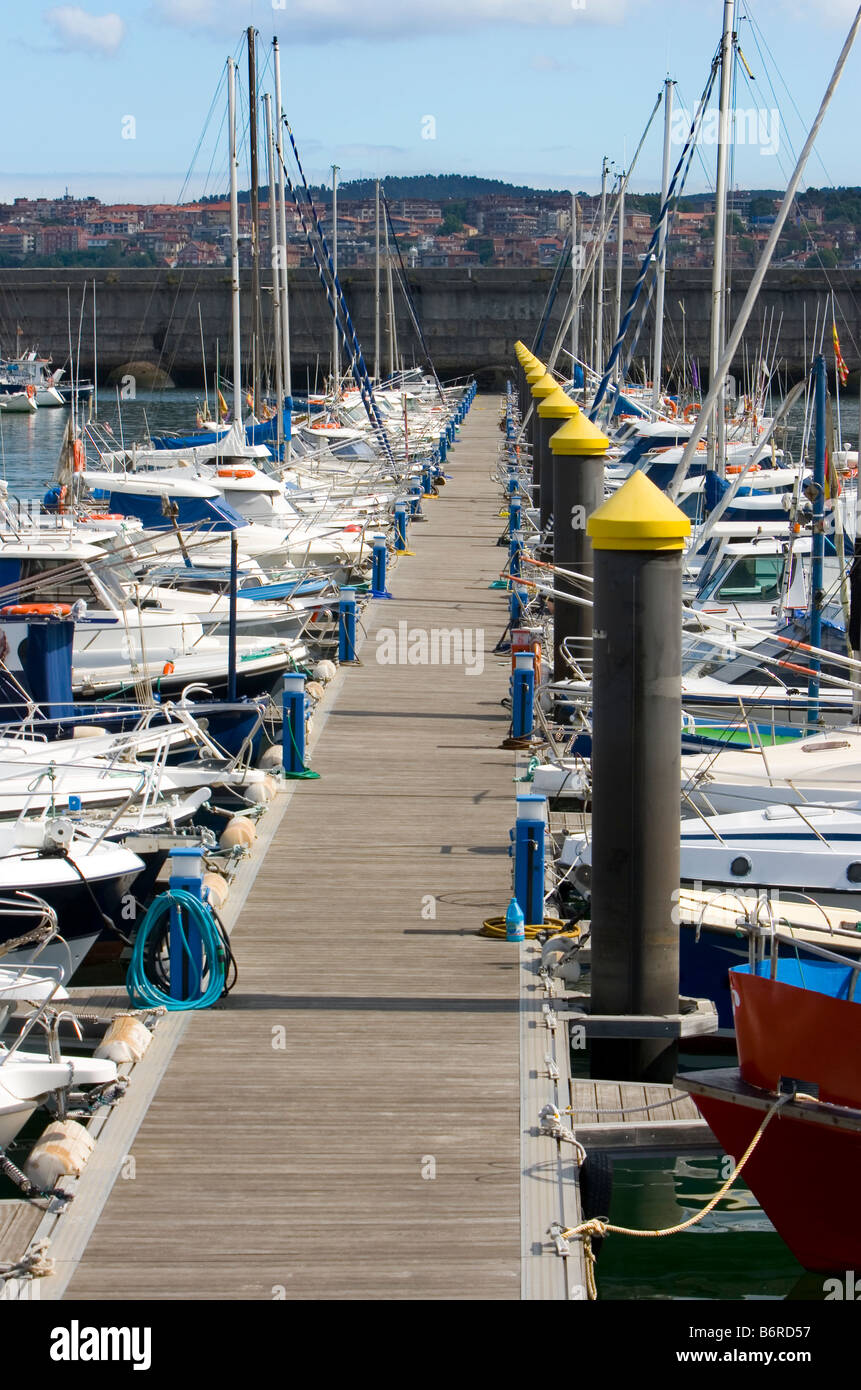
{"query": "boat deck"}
pixel 346 1125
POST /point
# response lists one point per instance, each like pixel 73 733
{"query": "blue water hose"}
pixel 142 991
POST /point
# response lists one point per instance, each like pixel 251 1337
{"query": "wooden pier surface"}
pixel 347 1124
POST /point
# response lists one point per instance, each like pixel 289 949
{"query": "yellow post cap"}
pixel 557 406
pixel 543 385
pixel 579 436
pixel 638 517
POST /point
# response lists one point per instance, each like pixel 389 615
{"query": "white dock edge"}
pixel 549 1185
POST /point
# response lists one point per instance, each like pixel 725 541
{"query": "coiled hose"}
pixel 151 935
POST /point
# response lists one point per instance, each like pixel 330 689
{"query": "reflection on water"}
pixel 734 1252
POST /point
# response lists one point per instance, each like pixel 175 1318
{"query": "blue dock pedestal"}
pixel 184 943
pixel 401 529
pixel 529 835
pixel 293 725
pixel 415 499
pixel 379 556
pixel 515 553
pixel 523 696
pixel 443 447
pixel 346 626
pixel 427 481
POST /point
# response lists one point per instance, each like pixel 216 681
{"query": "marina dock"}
pixel 347 1124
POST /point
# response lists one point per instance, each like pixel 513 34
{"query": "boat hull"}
pixel 802 1172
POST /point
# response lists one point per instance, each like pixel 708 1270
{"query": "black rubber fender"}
pixel 596 1191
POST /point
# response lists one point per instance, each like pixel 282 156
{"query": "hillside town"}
pixel 495 229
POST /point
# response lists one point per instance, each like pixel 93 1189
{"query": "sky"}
pixel 127 101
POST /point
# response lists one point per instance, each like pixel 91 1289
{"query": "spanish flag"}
pixel 840 365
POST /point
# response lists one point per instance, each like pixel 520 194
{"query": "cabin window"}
pixel 754 578
pixel 66 588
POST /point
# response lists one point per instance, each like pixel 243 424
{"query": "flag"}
pixel 840 365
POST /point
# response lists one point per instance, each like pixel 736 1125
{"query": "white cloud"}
pixel 324 21
pixel 74 28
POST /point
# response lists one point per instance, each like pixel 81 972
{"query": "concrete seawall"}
pixel 470 316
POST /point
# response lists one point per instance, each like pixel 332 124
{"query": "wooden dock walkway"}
pixel 347 1124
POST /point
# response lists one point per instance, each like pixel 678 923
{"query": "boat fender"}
pixel 217 889
pixel 88 731
pixel 238 833
pixel 271 759
pixel 260 792
pixel 314 690
pixel 126 1040
pixel 61 1152
pixel 596 1191
pixel 324 671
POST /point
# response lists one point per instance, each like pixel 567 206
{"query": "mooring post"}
pixel 540 389
pixel 379 556
pixel 529 835
pixel 552 412
pixel 415 499
pixel 523 696
pixel 346 626
pixel 293 724
pixel 577 450
pixel 401 528
pixel 184 943
pixel 427 480
pixel 638 539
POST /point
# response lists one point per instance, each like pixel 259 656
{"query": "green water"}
pixel 734 1253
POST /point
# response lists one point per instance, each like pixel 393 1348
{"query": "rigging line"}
pixel 359 370
pixel 575 300
pixel 408 296
pixel 648 264
pixel 756 30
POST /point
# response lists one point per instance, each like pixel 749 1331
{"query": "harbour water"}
pixel 30 444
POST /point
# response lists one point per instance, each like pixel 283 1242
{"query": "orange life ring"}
pixel 31 392
pixel 61 499
pixel 168 668
pixel 671 409
pixel 102 516
pixel 321 425
pixel 235 473
pixel 691 411
pixel 39 610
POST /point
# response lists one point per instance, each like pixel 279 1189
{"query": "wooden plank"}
pixel 347 1124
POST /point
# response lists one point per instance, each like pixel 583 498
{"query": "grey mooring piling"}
pixel 552 412
pixel 577 451
pixel 637 538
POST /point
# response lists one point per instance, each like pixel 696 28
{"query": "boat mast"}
pixel 377 282
pixel 393 333
pixel 203 361
pixel 658 347
pixel 234 241
pixel 257 335
pixel 336 365
pixel 575 284
pixel 620 253
pixel 717 424
pixel 276 278
pixel 282 231
pixel 95 400
pixel 598 356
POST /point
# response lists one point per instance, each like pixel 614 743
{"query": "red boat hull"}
pixel 803 1174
